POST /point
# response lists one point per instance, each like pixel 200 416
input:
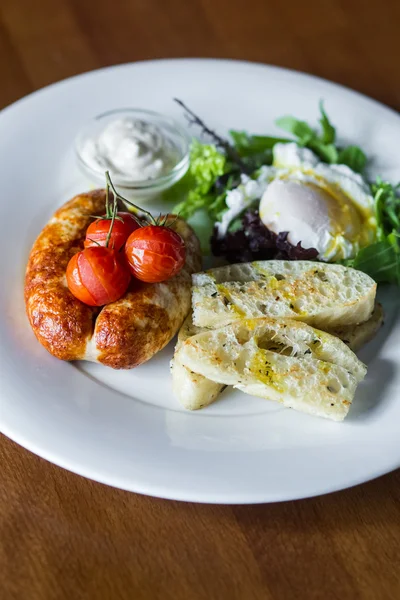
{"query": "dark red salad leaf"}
pixel 253 241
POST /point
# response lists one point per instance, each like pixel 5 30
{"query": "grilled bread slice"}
pixel 282 360
pixel 195 391
pixel 320 294
pixel 355 336
pixel 191 389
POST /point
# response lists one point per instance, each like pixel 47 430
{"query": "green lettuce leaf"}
pixel 194 190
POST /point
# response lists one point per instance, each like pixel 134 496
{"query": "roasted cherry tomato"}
pixel 155 253
pixel 97 276
pixel 97 232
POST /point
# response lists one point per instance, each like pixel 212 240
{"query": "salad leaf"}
pixel 327 152
pixel 328 135
pixel 250 145
pixel 195 189
pixel 257 160
pixel 206 164
pixel 235 225
pixel 353 157
pixel 220 142
pixel 322 144
pixel 218 207
pixel 299 129
pixel 248 239
pixel 381 260
pixel 387 206
pixel 216 168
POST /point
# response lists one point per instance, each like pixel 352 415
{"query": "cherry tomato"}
pixel 97 232
pixel 97 276
pixel 155 253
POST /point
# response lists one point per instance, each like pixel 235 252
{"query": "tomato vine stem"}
pixel 147 215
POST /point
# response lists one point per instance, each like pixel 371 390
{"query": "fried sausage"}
pixel 121 335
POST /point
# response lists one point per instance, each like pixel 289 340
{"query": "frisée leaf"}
pixel 194 190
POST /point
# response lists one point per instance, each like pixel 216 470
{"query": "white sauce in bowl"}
pixel 130 148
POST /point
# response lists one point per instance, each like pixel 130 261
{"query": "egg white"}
pixel 330 206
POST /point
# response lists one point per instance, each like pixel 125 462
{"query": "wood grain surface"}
pixel 64 537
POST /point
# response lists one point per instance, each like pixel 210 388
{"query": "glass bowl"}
pixel 130 188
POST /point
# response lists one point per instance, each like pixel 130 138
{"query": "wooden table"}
pixel 63 537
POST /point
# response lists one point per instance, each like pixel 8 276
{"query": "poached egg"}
pixel 326 207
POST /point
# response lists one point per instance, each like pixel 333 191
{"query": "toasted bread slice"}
pixel 355 336
pixel 282 360
pixel 188 329
pixel 195 391
pixel 191 389
pixel 320 294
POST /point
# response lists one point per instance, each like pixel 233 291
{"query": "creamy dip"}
pixel 132 149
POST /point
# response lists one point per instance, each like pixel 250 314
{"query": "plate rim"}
pixel 151 488
pixel 297 72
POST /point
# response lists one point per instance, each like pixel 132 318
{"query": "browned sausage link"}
pixel 133 329
pixel 61 323
pixel 127 332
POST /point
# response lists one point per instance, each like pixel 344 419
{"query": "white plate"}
pixel 125 428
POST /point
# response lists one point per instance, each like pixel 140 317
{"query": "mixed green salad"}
pixel 219 166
